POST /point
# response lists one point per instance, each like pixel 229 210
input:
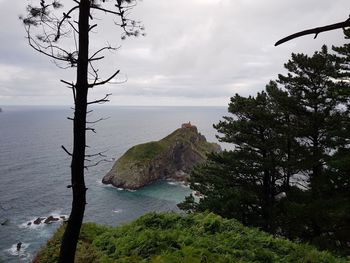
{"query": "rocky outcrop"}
pixel 46 220
pixel 173 157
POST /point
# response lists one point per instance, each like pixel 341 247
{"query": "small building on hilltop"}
pixel 187 125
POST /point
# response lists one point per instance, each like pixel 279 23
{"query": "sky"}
pixel 194 53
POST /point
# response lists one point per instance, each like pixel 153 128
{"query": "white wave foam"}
pixel 21 254
pixel 180 183
pixel 185 184
pixel 117 211
pixel 99 183
pixel 30 224
pixel 123 189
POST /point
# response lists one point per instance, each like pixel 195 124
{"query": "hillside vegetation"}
pixel 172 157
pixel 192 238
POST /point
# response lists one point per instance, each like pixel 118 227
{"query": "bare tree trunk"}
pixel 71 234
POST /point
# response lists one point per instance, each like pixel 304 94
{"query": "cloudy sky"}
pixel 196 52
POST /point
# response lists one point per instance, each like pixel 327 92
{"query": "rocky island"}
pixel 172 157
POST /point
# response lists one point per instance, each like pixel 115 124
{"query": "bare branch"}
pixel 65 16
pixel 98 58
pixel 64 148
pixel 105 10
pixel 104 81
pixel 95 72
pixel 66 82
pixel 72 26
pixel 315 31
pixel 97 163
pixel 36 46
pixel 91 129
pixel 102 49
pixel 96 154
pixel 91 27
pixel 100 119
pixel 71 86
pixel 103 100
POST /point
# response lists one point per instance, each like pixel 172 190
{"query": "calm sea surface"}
pixel 34 170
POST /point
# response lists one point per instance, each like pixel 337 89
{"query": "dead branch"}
pixel 315 31
pixel 97 163
pixel 39 48
pixel 101 154
pixel 66 82
pixel 64 148
pixel 65 16
pixel 72 26
pixel 91 27
pixel 103 100
pixel 91 129
pixel 103 49
pixel 106 10
pixel 95 72
pixel 71 86
pixel 105 81
pixel 96 121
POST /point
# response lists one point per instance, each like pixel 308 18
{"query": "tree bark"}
pixel 71 234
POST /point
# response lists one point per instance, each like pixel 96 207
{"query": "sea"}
pixel 35 171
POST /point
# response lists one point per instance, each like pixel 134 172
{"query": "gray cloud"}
pixel 195 51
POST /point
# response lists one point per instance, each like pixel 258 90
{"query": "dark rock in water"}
pixel 51 219
pixel 19 245
pixel 63 217
pixel 38 220
pixel 173 157
pixel 5 222
pixel 29 223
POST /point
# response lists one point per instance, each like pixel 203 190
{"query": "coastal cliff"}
pixel 172 157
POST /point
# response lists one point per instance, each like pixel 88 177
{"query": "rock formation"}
pixel 46 220
pixel 172 157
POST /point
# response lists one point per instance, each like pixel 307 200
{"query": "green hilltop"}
pixel 171 157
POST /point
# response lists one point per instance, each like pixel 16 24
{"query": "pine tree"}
pixel 320 110
pixel 288 172
pixel 243 183
pixel 310 82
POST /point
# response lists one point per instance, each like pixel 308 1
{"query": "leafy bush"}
pixel 169 237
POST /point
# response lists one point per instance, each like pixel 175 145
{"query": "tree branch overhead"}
pixel 316 31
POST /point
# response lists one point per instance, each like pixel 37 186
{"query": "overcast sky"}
pixel 196 52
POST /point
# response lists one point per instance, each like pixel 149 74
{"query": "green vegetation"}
pixel 289 171
pixel 174 238
pixel 146 152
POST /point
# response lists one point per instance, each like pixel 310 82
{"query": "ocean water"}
pixel 34 170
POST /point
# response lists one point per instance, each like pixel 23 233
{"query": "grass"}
pixel 193 238
pixel 146 152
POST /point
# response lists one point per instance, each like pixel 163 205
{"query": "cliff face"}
pixel 172 157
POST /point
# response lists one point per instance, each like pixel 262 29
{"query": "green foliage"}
pixel 143 153
pixel 86 253
pixel 171 237
pixel 146 151
pixel 289 171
